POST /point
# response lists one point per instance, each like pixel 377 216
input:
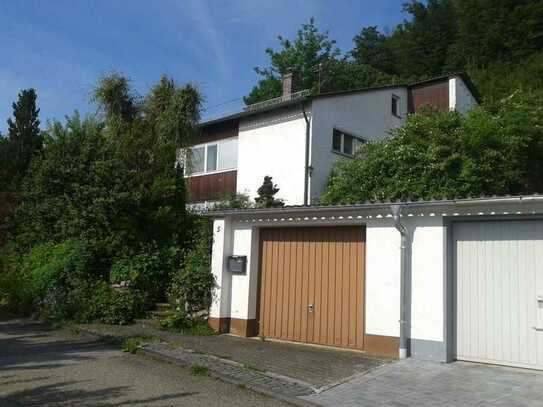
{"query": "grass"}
pixel 199 370
pixel 175 324
pixel 175 344
pixel 200 329
pixel 131 345
pixel 249 366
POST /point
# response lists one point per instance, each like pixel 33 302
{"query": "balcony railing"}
pixel 239 108
pixel 277 101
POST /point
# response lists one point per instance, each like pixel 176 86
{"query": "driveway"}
pixel 317 366
pixel 419 384
pixel 44 367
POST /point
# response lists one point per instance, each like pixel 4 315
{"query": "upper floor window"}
pixel 344 143
pixel 221 155
pixel 395 106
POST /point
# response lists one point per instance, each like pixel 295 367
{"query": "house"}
pixel 438 280
pixel 298 138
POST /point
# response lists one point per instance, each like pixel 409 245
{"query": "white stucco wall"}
pixel 383 278
pixel 460 97
pixel 382 297
pixel 235 294
pixel 222 247
pixel 427 278
pixel 427 316
pixel 273 144
pixel 366 115
pixel 244 287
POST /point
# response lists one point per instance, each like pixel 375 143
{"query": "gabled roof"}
pixel 463 75
pixel 246 113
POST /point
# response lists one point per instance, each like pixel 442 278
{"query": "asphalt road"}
pixel 44 367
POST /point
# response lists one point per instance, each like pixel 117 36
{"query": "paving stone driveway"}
pixel 416 383
pixel 318 367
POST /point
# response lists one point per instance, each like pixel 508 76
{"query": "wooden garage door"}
pixel 312 285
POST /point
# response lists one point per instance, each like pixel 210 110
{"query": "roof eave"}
pixel 248 113
pixel 379 205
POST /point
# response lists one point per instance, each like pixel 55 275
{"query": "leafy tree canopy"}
pixel 499 42
pixel 111 183
pixel 107 187
pixel 446 155
pixel 300 56
pixel 23 140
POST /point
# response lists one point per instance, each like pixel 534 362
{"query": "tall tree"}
pixel 421 44
pixel 24 136
pixel 150 131
pixel 492 31
pixel 372 48
pixel 302 57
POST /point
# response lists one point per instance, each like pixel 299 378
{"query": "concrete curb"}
pixel 118 340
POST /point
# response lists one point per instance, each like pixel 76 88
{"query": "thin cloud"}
pixel 203 21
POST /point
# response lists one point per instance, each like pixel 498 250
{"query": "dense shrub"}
pixel 439 155
pixel 148 271
pixel 193 282
pixel 181 321
pixel 62 281
pixel 234 201
pixel 122 306
pixel 16 294
pixel 103 203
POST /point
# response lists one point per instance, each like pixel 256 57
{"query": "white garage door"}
pixel 499 292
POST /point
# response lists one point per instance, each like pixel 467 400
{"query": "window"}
pixel 395 108
pixel 348 144
pixel 228 157
pixel 213 157
pixel 197 159
pixel 336 140
pixel 344 143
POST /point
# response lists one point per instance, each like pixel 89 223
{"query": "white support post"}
pixel 222 248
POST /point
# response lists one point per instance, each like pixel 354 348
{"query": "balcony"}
pixel 211 187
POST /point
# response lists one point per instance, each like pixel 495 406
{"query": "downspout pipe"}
pixel 307 145
pixel 396 214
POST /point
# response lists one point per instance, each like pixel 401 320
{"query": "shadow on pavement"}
pixel 61 394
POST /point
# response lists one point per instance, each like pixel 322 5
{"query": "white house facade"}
pixel 298 138
pixel 470 288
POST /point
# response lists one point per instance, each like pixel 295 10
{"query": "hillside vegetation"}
pixel 498 42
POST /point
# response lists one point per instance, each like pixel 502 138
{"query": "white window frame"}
pixel 344 133
pixel 206 145
pixel 398 106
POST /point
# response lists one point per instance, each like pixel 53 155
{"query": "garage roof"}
pixel 507 199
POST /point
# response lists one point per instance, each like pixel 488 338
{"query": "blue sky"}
pixel 61 47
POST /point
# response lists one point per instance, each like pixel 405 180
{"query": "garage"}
pixel 499 292
pixel 311 286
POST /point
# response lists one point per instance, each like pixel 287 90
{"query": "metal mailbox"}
pixel 237 264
